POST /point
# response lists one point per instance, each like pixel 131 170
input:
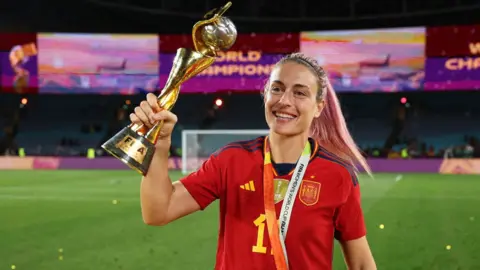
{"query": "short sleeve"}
pixel 349 220
pixel 205 184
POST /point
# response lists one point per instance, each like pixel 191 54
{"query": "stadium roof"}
pixel 166 16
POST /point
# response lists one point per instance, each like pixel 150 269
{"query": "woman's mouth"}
pixel 283 116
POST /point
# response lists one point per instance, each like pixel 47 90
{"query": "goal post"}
pixel 199 144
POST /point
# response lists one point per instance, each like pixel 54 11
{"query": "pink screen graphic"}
pixel 97 63
pixel 382 60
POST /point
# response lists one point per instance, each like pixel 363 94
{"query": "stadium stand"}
pixel 62 125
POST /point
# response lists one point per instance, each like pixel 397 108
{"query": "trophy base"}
pixel 132 149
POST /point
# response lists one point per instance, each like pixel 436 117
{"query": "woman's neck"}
pixel 287 149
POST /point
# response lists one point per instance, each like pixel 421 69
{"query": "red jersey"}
pixel 327 206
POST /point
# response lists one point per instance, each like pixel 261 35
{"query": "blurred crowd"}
pixel 402 147
pixel 416 148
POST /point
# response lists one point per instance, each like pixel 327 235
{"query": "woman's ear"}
pixel 320 107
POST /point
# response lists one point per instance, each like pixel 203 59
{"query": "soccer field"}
pixel 91 220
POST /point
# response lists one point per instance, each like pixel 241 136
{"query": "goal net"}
pixel 198 145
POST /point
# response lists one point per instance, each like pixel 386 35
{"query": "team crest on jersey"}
pixel 280 186
pixel 309 192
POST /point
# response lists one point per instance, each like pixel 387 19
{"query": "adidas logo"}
pixel 248 186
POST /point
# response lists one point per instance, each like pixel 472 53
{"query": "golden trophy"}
pixel 19 56
pixel 135 144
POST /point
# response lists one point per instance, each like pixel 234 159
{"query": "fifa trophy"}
pixel 135 144
pixel 19 56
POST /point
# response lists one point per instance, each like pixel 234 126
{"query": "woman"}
pixel 309 144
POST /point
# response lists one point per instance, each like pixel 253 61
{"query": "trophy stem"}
pixel 141 129
pixel 154 132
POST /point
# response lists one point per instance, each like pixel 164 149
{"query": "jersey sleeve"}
pixel 349 220
pixel 205 185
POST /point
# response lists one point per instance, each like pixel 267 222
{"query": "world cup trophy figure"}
pixel 19 56
pixel 135 144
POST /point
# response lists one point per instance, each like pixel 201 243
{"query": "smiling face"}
pixel 291 101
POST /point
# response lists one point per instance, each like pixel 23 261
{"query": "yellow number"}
pixel 260 224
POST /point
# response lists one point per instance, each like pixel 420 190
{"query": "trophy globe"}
pixel 219 35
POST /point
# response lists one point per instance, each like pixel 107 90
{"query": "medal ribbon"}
pixel 277 235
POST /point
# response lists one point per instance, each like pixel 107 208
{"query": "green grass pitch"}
pixel 68 220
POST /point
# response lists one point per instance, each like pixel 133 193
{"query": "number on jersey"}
pixel 259 247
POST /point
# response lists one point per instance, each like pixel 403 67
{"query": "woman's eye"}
pixel 275 89
pixel 300 93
